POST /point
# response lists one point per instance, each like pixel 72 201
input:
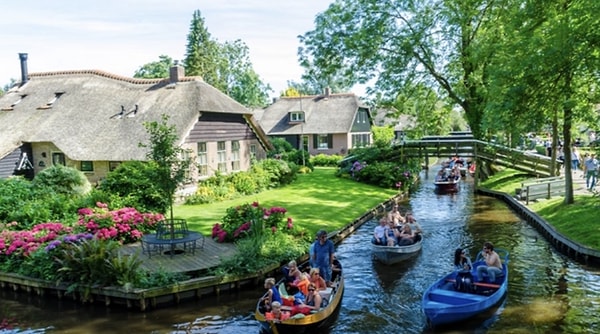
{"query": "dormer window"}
pixel 12 106
pixel 53 100
pixel 296 116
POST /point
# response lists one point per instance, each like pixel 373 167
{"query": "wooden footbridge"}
pixel 463 145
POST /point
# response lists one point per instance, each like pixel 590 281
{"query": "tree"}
pixel 556 45
pixel 242 82
pixel 226 66
pixel 171 166
pixel 405 43
pixel 202 53
pixel 156 69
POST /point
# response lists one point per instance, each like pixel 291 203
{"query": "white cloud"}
pixel 120 36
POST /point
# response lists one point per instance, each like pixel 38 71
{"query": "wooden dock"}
pixel 208 256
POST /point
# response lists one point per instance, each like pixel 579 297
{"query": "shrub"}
pixel 134 181
pixel 248 219
pixel 326 160
pixel 62 180
pixel 243 183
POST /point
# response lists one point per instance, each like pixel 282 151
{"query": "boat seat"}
pixel 325 294
pixel 441 295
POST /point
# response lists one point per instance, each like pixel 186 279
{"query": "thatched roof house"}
pixel 93 120
pixel 329 123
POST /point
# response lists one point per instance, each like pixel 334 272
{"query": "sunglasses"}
pixel 311 289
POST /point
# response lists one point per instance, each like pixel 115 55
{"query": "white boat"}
pixel 395 254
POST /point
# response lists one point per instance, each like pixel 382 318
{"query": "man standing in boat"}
pixel 323 255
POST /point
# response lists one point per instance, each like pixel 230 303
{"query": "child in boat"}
pixel 276 313
pixel 272 294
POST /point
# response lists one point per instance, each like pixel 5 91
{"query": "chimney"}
pixel 176 72
pixel 24 74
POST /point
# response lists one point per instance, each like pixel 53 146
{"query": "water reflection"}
pixel 547 293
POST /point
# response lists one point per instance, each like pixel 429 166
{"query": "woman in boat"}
pixel 317 280
pixel 461 261
pixel 391 234
pixel 406 236
pixel 314 301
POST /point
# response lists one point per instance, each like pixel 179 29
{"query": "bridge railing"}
pixel 465 146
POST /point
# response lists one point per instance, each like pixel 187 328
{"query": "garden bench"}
pixel 169 234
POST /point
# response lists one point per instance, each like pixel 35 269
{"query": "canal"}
pixel 548 293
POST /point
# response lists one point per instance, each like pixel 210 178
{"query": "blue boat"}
pixel 444 302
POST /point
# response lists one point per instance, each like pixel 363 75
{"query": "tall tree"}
pixel 552 47
pixel 156 69
pixel 226 66
pixel 405 43
pixel 243 83
pixel 202 51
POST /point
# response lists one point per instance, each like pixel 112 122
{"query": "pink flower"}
pixel 274 229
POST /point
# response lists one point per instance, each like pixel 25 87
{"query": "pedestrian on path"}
pixel 591 168
pixel 575 158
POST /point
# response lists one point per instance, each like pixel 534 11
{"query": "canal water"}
pixel 548 293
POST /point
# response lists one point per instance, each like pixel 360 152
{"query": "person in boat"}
pixel 313 301
pixel 395 216
pixel 323 256
pixel 336 268
pixel 291 273
pixel 272 294
pixel 392 234
pixel 276 313
pixel 380 232
pixel 493 265
pixel 316 279
pixel 406 236
pixel 412 221
pixel 441 176
pixel 302 283
pixel 461 261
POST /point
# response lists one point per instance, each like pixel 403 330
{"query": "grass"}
pixel 577 221
pixel 315 201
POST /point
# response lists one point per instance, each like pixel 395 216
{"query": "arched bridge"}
pixel 463 144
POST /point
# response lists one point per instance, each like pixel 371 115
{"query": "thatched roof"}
pixel 85 122
pixel 333 113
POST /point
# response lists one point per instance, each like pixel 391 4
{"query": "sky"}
pixel 119 36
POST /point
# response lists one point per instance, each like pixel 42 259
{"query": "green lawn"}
pixel 318 200
pixel 577 221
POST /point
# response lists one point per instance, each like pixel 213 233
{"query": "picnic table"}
pixel 169 235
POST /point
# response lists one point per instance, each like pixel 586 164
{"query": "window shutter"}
pixel 330 141
pixel 315 142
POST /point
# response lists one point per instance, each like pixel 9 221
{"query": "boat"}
pixel 314 322
pixel 442 303
pixel 395 254
pixel 447 185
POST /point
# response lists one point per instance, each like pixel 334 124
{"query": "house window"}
pixel 361 139
pixel 112 165
pixel 323 142
pixel 297 116
pixel 58 159
pixel 87 166
pixel 202 160
pixel 221 157
pixel 235 155
pixel 253 150
pixel 185 155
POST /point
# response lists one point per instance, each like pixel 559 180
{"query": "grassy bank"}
pixel 577 221
pixel 318 200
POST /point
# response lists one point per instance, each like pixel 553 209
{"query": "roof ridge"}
pixel 113 76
